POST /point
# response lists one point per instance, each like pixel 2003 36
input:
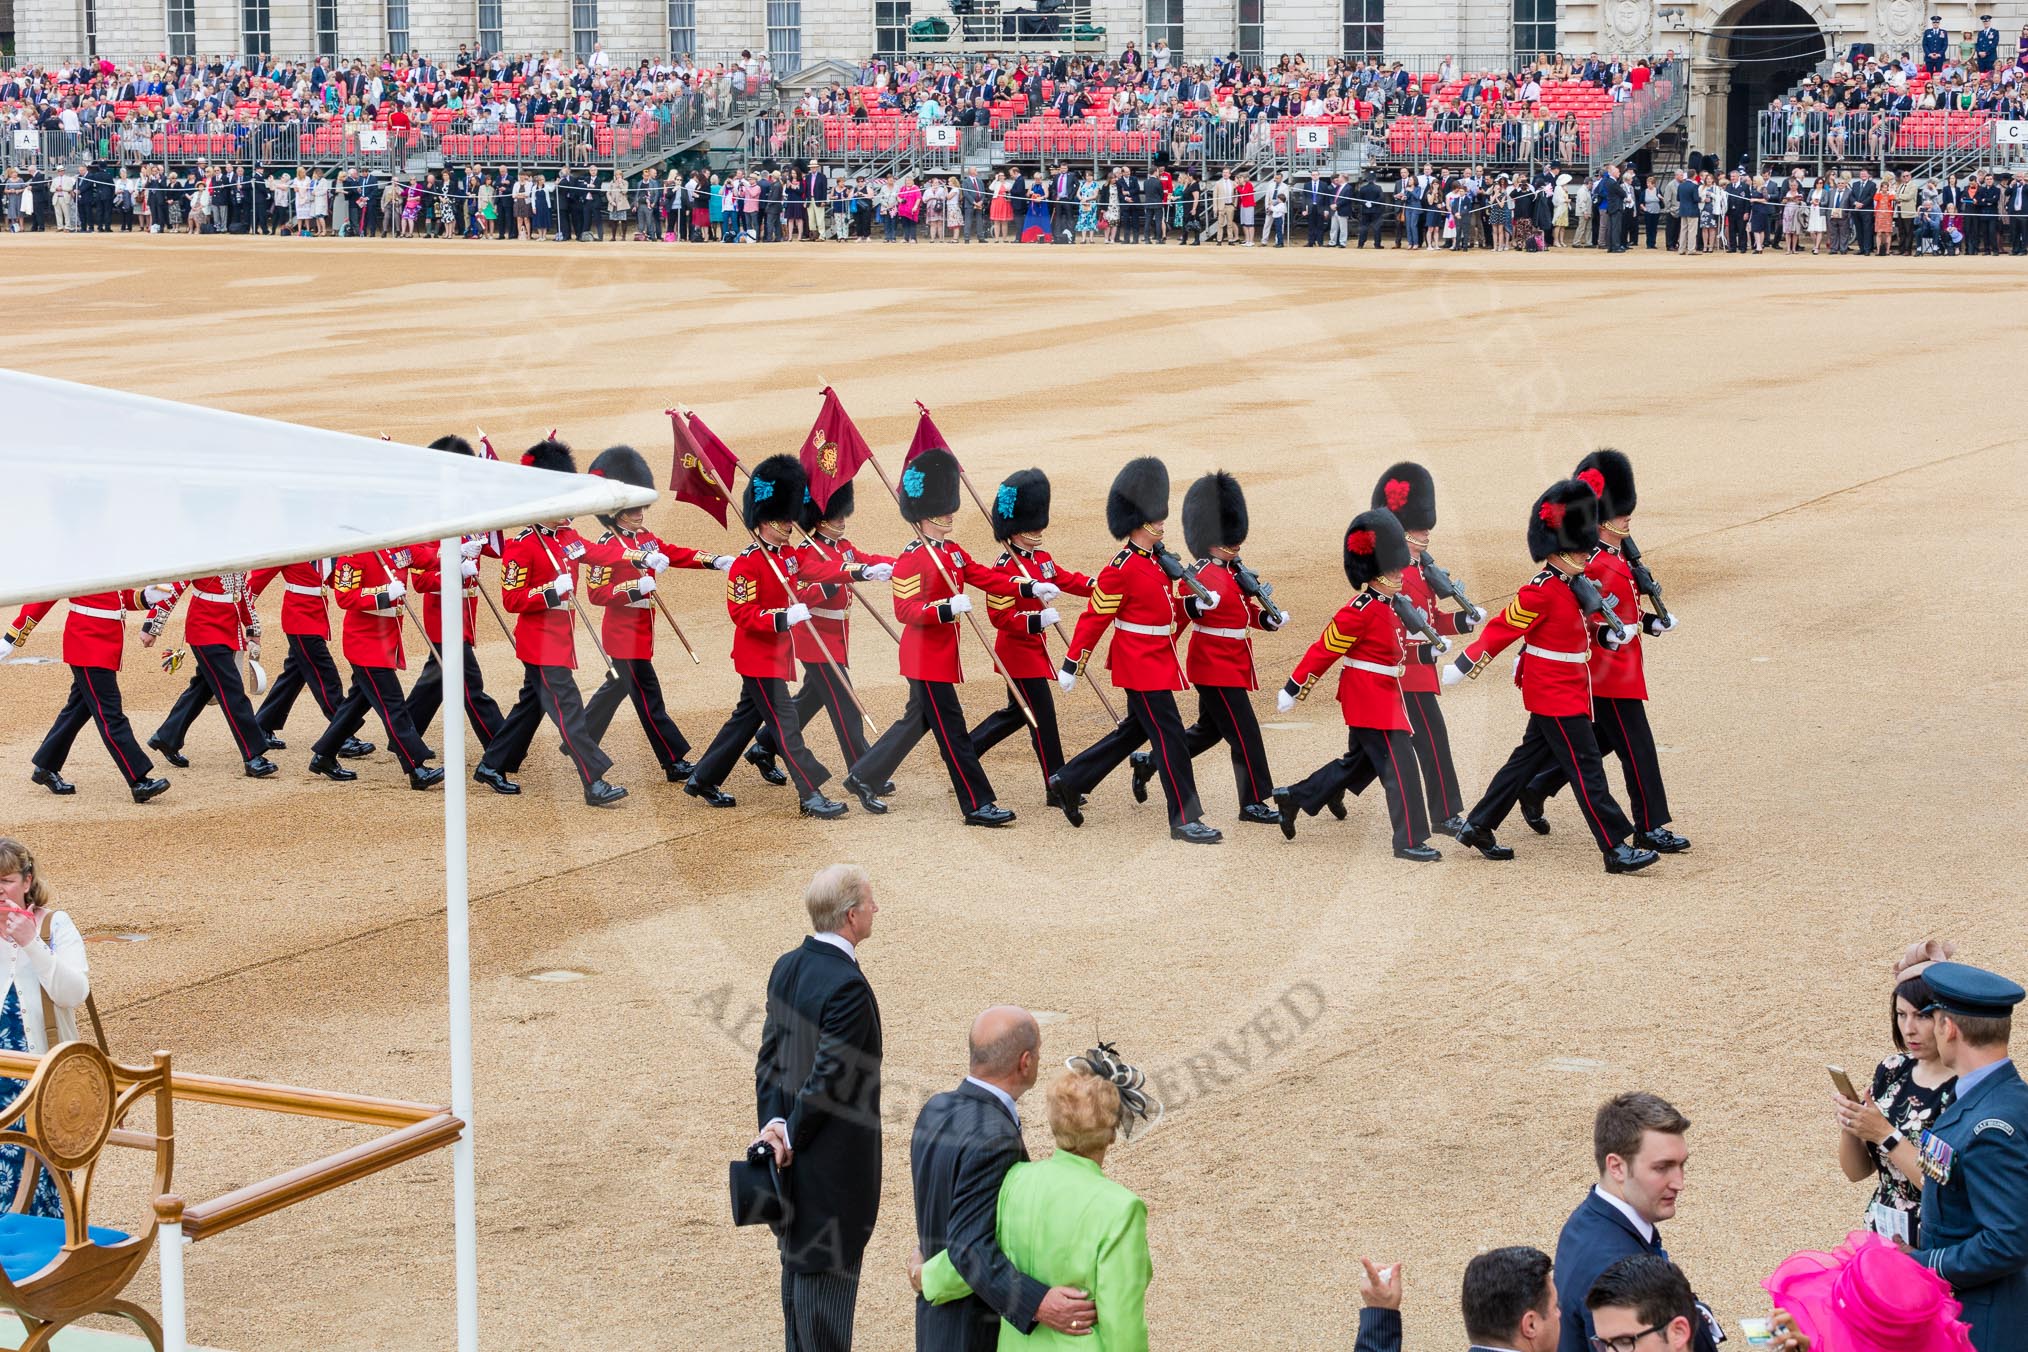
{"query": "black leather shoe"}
pixel 150 788
pixel 276 744
pixel 598 793
pixel 866 796
pixel 1259 813
pixel 1285 813
pixel 54 782
pixel 679 772
pixel 171 754
pixel 425 777
pixel 1144 770
pixel 1064 801
pixel 1627 859
pixel 1473 838
pixel 1336 804
pixel 1450 826
pixel 1531 812
pixel 763 762
pixel 712 795
pixel 1661 840
pixel 1419 854
pixel 354 749
pixel 1196 833
pixel 260 767
pixel 822 808
pixel 329 767
pixel 494 780
pixel 989 814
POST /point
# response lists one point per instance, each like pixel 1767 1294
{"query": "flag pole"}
pixel 852 587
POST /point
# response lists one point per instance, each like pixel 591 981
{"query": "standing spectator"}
pixel 1223 193
pixel 1509 1303
pixel 1906 198
pixel 817 1093
pixel 1641 1297
pixel 1243 195
pixel 1651 208
pixel 1864 197
pixel 1690 208
pixel 620 206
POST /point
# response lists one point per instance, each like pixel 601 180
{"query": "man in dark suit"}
pixel 1637 1140
pixel 817 1095
pixel 965 1142
pixel 972 202
pixel 2017 214
pixel 1509 1303
pixel 1314 198
pixel 1863 190
pixel 1063 187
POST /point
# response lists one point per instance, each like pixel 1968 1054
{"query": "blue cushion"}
pixel 28 1243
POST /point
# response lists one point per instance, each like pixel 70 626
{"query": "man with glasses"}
pixel 1643 1304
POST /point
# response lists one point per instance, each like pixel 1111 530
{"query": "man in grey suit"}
pixel 972 201
pixel 965 1142
pixel 1840 214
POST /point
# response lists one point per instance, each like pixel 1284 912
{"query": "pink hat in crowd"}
pixel 1868 1296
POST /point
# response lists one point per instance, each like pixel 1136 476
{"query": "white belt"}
pixel 216 598
pixel 299 589
pixel 1222 633
pixel 116 616
pixel 1375 668
pixel 1555 656
pixel 1158 630
pixel 831 614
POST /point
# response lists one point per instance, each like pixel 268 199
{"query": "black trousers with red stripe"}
pixel 763 702
pixel 551 691
pixel 1433 754
pixel 1372 753
pixel 824 687
pixel 1621 728
pixel 309 667
pixel 1046 740
pixel 1152 720
pixel 637 681
pixel 94 698
pixel 427 696
pixel 1564 744
pixel 1225 714
pixel 933 709
pixel 216 678
pixel 376 690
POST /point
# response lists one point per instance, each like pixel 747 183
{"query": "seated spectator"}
pixel 48 982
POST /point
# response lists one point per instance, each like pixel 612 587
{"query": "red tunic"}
pixel 424 579
pixel 219 613
pixel 1617 675
pixel 531 561
pixel 1221 650
pixel 613 572
pixel 94 629
pixel 1132 595
pixel 1367 637
pixel 929 643
pixel 829 602
pixel 304 611
pixel 758 601
pixel 1018 638
pixel 1554 672
pixel 1422 676
pixel 371 626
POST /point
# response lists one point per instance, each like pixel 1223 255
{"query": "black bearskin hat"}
pixel 623 465
pixel 837 509
pixel 1139 495
pixel 774 491
pixel 1021 506
pixel 1374 544
pixel 1214 513
pixel 929 485
pixel 1564 520
pixel 549 453
pixel 1611 476
pixel 453 443
pixel 1407 490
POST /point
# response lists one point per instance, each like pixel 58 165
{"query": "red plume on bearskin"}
pixel 1594 479
pixel 1397 494
pixel 1360 542
pixel 1615 481
pixel 1552 513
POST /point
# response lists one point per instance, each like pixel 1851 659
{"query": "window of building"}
pixel 1252 42
pixel 1534 28
pixel 327 27
pixel 584 27
pixel 1165 24
pixel 785 36
pixel 91 27
pixel 1365 26
pixel 256 28
pixel 682 27
pixel 397 27
pixel 890 26
pixel 182 27
pixel 489 27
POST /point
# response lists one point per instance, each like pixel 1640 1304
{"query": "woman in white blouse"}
pixel 48 977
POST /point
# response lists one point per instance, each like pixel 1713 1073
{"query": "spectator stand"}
pixel 1007 27
pixel 1929 143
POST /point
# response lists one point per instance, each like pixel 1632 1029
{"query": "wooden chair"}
pixel 56 1271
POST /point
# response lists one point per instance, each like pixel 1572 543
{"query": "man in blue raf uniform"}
pixel 1975 1199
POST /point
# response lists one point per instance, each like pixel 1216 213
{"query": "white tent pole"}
pixel 458 936
pixel 169 1246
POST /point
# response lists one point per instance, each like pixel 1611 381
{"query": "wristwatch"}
pixel 1890 1141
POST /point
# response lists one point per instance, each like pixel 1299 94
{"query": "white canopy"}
pixel 105 489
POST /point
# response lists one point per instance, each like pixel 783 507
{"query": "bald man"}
pixel 965 1142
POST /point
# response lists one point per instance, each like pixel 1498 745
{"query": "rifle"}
pixel 1176 571
pixel 1414 619
pixel 1645 580
pixel 1592 604
pixel 1447 589
pixel 1263 592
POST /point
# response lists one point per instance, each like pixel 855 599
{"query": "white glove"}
pixel 1067 679
pixel 644 585
pixel 395 591
pixel 1047 617
pixel 1284 701
pixel 1210 601
pixel 798 614
pixel 468 569
pixel 722 562
pixel 1665 625
pixel 960 605
pixel 563 584
pixel 879 572
pixel 156 594
pixel 656 561
pixel 471 549
pixel 1478 614
pixel 1045 592
pixel 1609 641
pixel 1451 674
pixel 1441 644
pixel 6 646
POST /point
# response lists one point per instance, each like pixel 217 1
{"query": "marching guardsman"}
pixel 1132 596
pixel 538 583
pixel 94 639
pixel 220 625
pixel 1220 661
pixel 764 611
pixel 1619 685
pixel 369 588
pixel 928 608
pixel 1020 515
pixel 829 630
pixel 1367 637
pixel 1408 491
pixel 306 624
pixel 1550 619
pixel 425 578
pixel 624 565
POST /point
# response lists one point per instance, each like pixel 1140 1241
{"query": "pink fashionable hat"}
pixel 1868 1296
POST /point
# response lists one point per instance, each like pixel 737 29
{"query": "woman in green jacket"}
pixel 1064 1223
